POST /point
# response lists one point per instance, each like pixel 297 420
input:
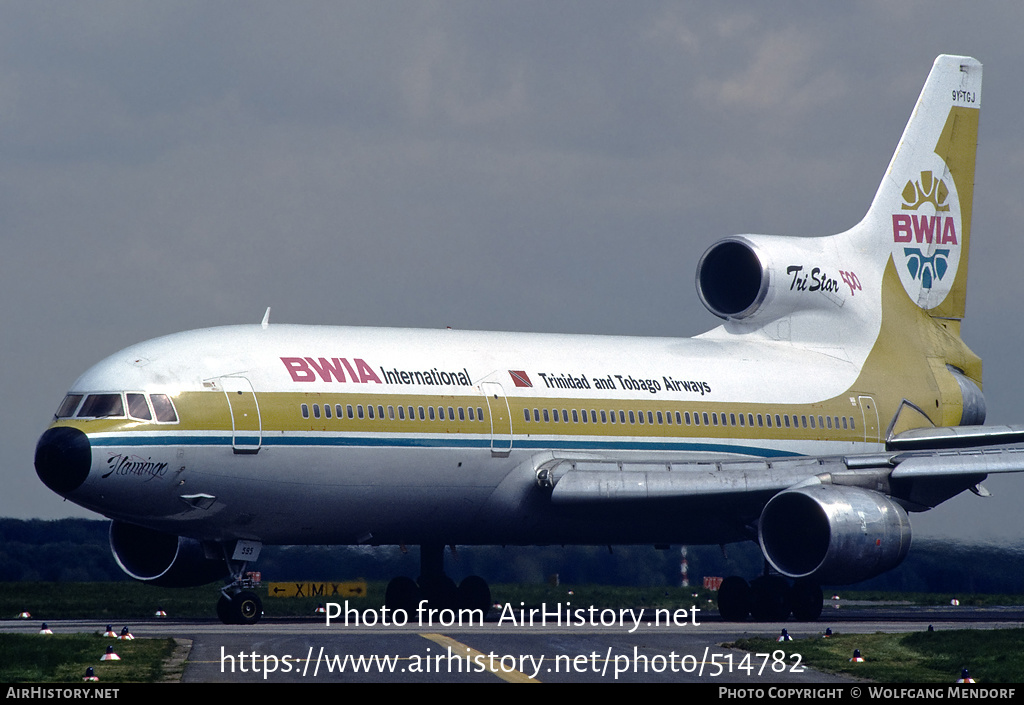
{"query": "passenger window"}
pixel 526 415
pixel 138 408
pixel 164 408
pixel 316 411
pixel 327 411
pixel 305 411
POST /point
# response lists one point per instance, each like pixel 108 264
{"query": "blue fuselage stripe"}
pixel 429 442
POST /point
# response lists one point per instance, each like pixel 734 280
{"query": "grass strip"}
pixel 991 655
pixel 63 658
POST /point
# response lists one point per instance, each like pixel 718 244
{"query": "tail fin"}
pixel 926 197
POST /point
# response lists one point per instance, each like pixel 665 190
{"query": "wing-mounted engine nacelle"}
pixel 162 559
pixel 832 534
pixel 762 277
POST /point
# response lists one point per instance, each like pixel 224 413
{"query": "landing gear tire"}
pixel 770 598
pixel 474 594
pixel 440 592
pixel 247 607
pixel 402 594
pixel 734 599
pixel 243 607
pixel 806 598
pixel 224 610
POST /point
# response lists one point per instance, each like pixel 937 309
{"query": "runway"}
pixel 310 651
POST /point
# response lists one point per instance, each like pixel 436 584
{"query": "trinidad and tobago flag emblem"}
pixel 520 378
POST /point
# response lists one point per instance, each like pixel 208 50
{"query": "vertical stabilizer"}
pixel 923 206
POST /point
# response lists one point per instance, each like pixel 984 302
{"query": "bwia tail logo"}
pixel 926 237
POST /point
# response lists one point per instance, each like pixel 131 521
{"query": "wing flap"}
pixel 956 437
pixel 938 461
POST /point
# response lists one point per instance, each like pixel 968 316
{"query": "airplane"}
pixel 835 398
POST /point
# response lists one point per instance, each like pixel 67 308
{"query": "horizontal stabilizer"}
pixel 956 437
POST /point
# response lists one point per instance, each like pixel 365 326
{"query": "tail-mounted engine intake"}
pixel 162 559
pixel 833 535
pixel 762 276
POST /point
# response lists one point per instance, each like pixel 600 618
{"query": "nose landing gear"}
pixel 239 603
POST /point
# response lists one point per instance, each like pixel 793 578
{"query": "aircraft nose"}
pixel 63 459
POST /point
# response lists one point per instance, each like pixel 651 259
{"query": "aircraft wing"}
pixel 919 468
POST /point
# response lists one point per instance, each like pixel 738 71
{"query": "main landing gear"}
pixel 436 588
pixel 769 598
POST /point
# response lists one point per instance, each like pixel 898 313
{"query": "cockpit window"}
pixel 164 408
pixel 101 406
pixel 68 406
pixel 138 408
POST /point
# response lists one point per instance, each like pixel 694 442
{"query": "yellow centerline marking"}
pixel 472 655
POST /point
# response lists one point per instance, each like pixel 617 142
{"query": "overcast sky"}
pixel 542 166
